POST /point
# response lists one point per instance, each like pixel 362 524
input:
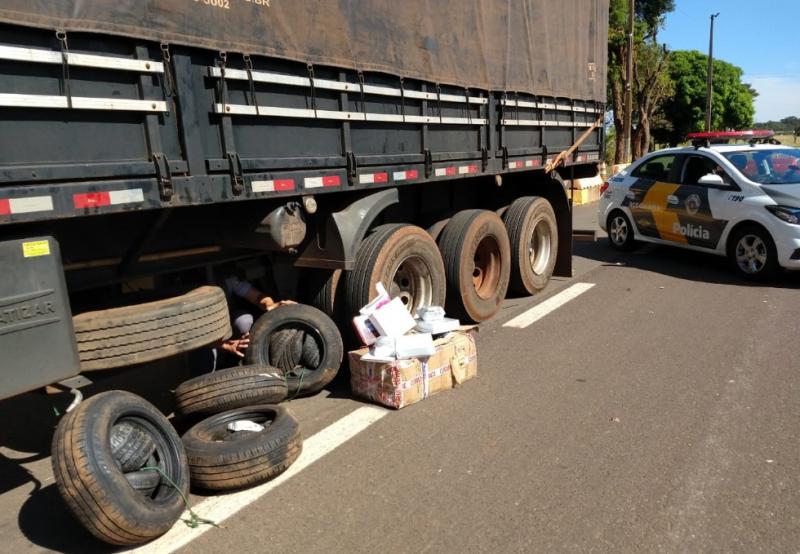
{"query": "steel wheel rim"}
pixel 618 230
pixel 413 284
pixel 539 247
pixel 751 254
pixel 486 267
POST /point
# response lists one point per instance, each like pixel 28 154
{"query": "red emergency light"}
pixel 722 137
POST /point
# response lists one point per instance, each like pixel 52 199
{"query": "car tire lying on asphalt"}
pixel 225 459
pixel 477 262
pixel 231 388
pixel 301 327
pixel 533 235
pixel 130 335
pixel 93 486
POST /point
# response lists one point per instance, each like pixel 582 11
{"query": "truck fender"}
pixel 339 234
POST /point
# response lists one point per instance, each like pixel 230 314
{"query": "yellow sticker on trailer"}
pixel 36 248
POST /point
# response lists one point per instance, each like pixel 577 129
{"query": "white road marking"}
pixel 220 508
pixel 540 310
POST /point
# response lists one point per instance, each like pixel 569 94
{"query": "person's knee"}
pixel 242 324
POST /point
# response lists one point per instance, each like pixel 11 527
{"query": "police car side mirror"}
pixel 711 180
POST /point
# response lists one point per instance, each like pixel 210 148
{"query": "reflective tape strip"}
pixel 369 178
pixel 107 198
pixel 319 182
pixel 126 196
pixel 519 164
pixel 514 165
pixel 405 175
pixel 532 163
pixel 467 169
pixel 273 185
pixel 26 205
pixel 445 171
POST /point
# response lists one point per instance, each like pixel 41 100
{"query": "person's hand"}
pixel 237 346
pixel 268 304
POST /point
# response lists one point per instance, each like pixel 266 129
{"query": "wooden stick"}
pixel 560 158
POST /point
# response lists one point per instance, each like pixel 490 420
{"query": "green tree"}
pixel 684 110
pixel 650 81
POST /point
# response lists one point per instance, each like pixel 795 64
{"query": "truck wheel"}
pixel 321 353
pixel 405 259
pixel 324 291
pixel 96 489
pixel 533 234
pixel 477 261
pixel 231 388
pixel 136 334
pixel 224 459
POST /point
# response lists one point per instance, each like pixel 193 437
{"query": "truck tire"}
pixel 136 334
pixel 322 348
pixel 533 235
pixel 96 490
pixel 477 261
pixel 406 260
pixel 324 288
pixel 231 388
pixel 131 445
pixel 220 459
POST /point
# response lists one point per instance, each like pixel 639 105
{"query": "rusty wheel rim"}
pixel 486 267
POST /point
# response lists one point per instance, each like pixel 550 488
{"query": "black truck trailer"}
pixel 324 146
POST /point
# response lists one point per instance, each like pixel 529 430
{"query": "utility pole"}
pixel 710 82
pixel 628 115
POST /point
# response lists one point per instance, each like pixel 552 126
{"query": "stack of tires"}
pixel 120 465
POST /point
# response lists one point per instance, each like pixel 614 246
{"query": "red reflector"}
pixel 5 207
pixel 604 187
pixel 91 200
pixel 381 177
pixel 330 181
pixel 412 174
pixel 284 184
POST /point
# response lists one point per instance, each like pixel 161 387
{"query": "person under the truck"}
pixel 245 304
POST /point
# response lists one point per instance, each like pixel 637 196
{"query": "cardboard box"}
pixel 399 383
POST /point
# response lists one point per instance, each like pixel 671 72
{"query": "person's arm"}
pixel 247 291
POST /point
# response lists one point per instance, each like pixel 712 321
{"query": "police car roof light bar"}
pixel 752 136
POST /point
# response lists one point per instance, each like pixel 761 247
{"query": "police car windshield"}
pixel 768 167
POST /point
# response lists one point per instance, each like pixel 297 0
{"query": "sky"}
pixel 760 36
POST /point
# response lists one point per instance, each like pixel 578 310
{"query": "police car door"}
pixel 696 222
pixel 654 182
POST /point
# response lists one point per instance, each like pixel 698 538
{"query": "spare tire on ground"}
pixel 477 261
pixel 231 388
pixel 131 445
pixel 315 349
pixel 96 489
pixel 142 333
pixel 243 447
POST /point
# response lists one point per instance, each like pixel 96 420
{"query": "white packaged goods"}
pixel 430 313
pixel 365 330
pixel 382 298
pixel 414 346
pixel 439 326
pixel 392 319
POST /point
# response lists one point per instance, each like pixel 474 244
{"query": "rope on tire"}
pixel 194 520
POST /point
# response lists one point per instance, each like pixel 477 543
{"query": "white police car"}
pixel 736 200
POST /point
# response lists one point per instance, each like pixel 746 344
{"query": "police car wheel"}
pixel 620 231
pixel 752 252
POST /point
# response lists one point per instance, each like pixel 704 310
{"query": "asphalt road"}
pixel 656 412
